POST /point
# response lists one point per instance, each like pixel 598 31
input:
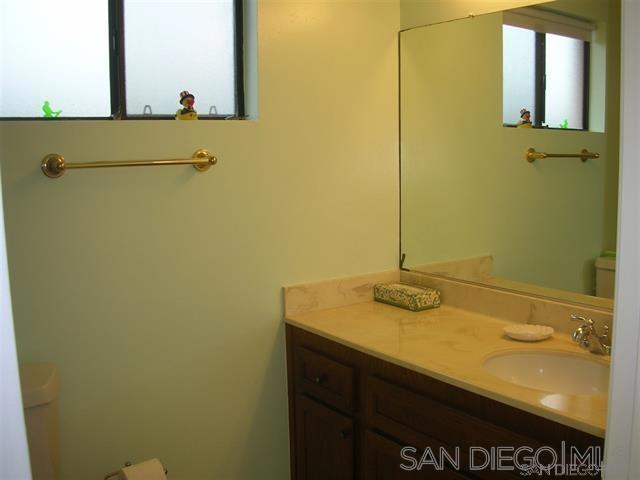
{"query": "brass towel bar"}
pixel 584 155
pixel 54 165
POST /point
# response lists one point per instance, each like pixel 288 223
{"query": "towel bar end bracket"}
pixel 204 154
pixel 53 165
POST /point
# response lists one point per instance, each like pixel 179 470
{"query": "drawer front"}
pixel 383 460
pixel 421 421
pixel 325 379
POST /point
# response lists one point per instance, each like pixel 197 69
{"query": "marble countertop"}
pixel 450 344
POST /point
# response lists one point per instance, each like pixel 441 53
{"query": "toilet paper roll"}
pixel 149 470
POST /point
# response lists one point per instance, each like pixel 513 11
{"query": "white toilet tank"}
pixel 39 382
pixel 605 276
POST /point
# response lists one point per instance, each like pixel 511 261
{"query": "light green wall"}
pixel 605 95
pixel 466 188
pixel 157 291
pixel 612 121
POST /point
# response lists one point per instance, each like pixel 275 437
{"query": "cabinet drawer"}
pixel 419 420
pixel 323 378
pixel 382 461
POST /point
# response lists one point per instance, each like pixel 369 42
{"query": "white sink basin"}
pixel 551 371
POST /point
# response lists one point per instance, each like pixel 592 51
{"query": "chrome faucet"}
pixel 587 336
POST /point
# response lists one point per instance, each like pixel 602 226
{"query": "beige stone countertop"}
pixel 450 344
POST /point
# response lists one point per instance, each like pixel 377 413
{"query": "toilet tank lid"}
pixel 606 263
pixel 39 382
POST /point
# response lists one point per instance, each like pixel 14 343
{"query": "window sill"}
pixel 131 117
pixel 509 125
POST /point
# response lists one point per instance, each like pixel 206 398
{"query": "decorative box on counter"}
pixel 409 297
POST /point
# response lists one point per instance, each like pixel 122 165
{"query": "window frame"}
pixel 117 72
pixel 540 84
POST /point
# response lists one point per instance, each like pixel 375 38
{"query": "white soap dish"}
pixel 528 333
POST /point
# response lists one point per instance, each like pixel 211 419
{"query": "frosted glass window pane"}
pixel 173 45
pixel 565 81
pixel 55 51
pixel 518 68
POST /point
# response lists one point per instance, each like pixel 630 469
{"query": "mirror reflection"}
pixel 473 207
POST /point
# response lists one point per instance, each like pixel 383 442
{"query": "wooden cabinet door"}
pixel 324 442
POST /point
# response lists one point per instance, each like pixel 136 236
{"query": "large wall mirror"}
pixel 472 206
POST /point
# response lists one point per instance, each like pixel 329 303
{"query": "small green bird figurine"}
pixel 565 124
pixel 48 111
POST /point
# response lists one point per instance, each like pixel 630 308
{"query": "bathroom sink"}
pixel 551 371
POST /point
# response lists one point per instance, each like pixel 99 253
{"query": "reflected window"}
pixel 545 70
pixel 566 82
pixel 519 73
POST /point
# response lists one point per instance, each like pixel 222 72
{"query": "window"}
pixel 546 69
pixel 120 58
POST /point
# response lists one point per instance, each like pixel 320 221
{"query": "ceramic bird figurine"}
pixel 186 112
pixel 525 119
pixel 48 111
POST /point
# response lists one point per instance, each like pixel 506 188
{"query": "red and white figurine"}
pixel 187 111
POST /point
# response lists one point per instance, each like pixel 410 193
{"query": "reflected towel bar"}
pixel 584 155
pixel 54 164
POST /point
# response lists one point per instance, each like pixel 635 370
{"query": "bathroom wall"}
pixel 544 223
pixel 608 18
pixel 157 291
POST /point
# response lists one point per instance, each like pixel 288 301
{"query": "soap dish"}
pixel 408 297
pixel 528 333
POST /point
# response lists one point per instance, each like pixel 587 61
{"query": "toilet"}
pixel 605 276
pixel 39 382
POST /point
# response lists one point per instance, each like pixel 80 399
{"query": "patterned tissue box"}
pixel 409 297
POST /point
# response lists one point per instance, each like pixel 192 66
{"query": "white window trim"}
pixel 623 422
pixel 544 21
pixel 14 454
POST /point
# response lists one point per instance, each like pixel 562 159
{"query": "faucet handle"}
pixel 579 334
pixel 605 334
pixel 579 318
pixel 605 341
pixel 586 332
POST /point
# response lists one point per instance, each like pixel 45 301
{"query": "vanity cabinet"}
pixel 351 414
